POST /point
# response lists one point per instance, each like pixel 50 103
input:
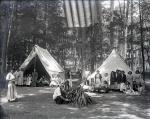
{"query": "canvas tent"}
pixel 44 59
pixel 113 62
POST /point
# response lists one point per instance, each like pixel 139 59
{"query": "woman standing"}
pixel 98 78
pixel 28 82
pixel 20 78
pixel 11 93
pixel 139 81
pixel 130 79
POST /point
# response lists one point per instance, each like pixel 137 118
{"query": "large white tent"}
pixel 49 63
pixel 113 62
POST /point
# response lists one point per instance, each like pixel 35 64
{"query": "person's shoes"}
pixel 16 100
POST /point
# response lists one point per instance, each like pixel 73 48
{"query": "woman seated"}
pixel 104 87
pixel 105 83
pixel 129 90
pixel 39 82
pixel 59 95
pixel 135 86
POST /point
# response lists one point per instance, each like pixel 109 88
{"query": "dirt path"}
pixel 37 103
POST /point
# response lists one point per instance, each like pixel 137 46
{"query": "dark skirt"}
pixel 59 100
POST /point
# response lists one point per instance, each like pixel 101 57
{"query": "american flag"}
pixel 81 13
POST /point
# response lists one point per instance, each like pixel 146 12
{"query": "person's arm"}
pixel 58 93
pixel 100 78
pixel 8 77
pixel 95 79
pixel 125 78
pixel 141 79
pixel 63 98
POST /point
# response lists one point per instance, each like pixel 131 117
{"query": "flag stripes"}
pixel 80 13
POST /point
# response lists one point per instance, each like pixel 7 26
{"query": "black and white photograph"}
pixel 74 59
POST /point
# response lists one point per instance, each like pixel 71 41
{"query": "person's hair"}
pixel 61 85
pixel 137 72
pixel 106 74
pixel 123 71
pixel 105 82
pixel 130 72
pixel 11 70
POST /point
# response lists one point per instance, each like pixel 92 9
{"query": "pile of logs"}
pixel 78 98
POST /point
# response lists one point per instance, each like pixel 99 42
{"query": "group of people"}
pixel 25 80
pixel 17 78
pixel 99 83
pixel 127 83
pixel 135 83
pixel 119 80
pixel 118 77
pixel 76 96
pixel 43 81
pixel 31 79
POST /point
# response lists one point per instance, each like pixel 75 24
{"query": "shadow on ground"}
pixel 2 113
pixel 37 103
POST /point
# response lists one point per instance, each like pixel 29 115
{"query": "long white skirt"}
pixel 11 93
pixel 20 81
pixel 122 87
pixel 28 82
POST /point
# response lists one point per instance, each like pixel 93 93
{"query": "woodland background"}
pixel 120 24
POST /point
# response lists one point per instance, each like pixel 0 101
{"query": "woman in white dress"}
pixel 20 78
pixel 130 79
pixel 11 93
pixel 16 77
pixel 28 82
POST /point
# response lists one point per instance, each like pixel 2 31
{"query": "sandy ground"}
pixel 37 103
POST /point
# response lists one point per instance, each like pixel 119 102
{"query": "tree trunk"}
pixel 142 40
pixel 7 25
pixel 82 48
pixel 3 68
pixel 11 23
pixel 92 46
pixel 121 42
pixel 99 30
pixel 111 20
pixel 126 30
pixel 132 37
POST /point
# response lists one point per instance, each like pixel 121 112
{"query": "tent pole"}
pixel 35 62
